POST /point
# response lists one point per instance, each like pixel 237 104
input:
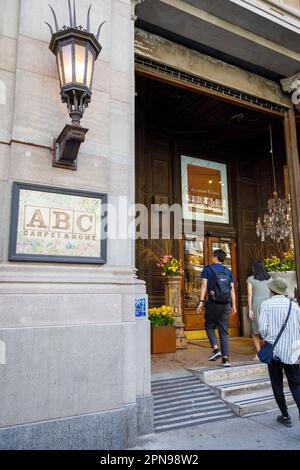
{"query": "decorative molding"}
pixel 134 3
pixel 291 85
pixel 280 8
pixel 176 75
pixel 152 48
pixel 28 273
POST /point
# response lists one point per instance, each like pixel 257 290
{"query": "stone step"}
pixel 190 412
pixel 238 371
pixel 233 387
pixel 256 402
pixel 195 421
pixel 165 391
pixel 185 405
pixel 245 388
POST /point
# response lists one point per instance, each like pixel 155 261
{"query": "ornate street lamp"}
pixel 76 49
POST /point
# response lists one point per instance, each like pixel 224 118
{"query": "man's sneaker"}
pixel 225 362
pixel 286 421
pixel 216 354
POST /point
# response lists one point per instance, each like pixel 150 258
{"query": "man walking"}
pixel 274 312
pixel 218 283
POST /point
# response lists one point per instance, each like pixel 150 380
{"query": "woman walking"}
pixel 258 291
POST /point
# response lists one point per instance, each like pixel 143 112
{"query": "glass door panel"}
pixel 193 266
pixel 196 253
pixel 225 246
pixel 229 246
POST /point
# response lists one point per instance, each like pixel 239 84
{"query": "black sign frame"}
pixel 14 222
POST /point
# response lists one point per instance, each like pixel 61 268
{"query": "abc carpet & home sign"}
pixel 57 224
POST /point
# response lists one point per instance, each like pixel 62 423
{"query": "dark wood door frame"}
pixel 193 320
pixel 291 145
pixel 234 321
pixel 292 156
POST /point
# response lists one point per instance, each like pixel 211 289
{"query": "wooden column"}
pixel 292 157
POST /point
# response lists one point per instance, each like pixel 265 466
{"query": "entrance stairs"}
pixel 183 401
pixel 246 387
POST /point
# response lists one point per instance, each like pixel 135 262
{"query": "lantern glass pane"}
pixel 90 68
pixel 58 59
pixel 80 54
pixel 67 61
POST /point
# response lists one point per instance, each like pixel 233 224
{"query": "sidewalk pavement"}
pixel 260 432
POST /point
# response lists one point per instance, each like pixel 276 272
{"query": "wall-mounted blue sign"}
pixel 141 307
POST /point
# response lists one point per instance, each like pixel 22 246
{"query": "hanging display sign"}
pixel 204 190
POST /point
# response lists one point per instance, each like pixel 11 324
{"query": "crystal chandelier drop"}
pixel 276 224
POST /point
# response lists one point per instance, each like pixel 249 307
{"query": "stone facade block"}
pixel 56 372
pixel 4 162
pixel 9 19
pixel 8 47
pixel 7 83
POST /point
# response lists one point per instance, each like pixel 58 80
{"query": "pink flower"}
pixel 165 259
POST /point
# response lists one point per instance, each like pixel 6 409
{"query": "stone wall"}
pixel 77 372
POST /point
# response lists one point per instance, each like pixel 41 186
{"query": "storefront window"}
pixel 193 266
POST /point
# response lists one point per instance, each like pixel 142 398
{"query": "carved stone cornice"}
pixel 134 3
pixel 291 85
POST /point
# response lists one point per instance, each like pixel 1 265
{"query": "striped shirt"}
pixel 273 314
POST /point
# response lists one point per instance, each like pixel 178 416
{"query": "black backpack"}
pixel 221 287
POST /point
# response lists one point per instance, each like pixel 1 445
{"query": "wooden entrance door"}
pixel 196 253
pixel 229 246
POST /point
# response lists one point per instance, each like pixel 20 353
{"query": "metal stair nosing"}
pixel 189 421
pixel 177 390
pixel 182 398
pixel 219 409
pixel 195 422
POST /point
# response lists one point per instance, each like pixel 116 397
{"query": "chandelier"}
pixel 276 224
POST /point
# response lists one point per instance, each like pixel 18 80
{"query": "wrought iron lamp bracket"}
pixel 66 147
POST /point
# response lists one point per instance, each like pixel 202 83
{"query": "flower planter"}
pixel 289 277
pixel 163 339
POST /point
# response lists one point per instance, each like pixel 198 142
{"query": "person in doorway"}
pixel 274 313
pixel 258 291
pixel 218 283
